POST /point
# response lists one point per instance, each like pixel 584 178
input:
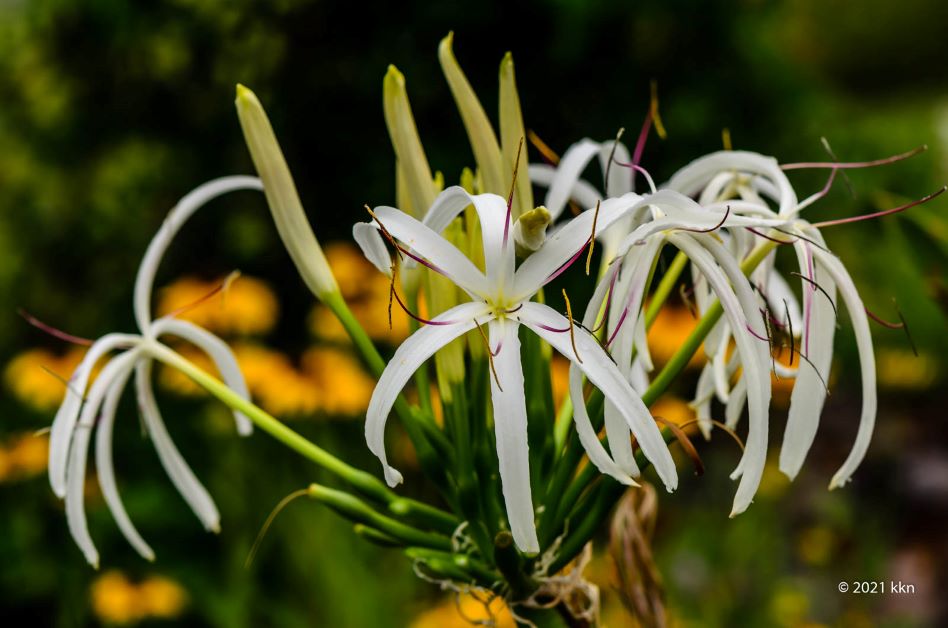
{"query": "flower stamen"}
pixel 572 334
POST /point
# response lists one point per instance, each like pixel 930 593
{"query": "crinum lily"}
pixel 88 407
pixel 500 298
pixel 752 178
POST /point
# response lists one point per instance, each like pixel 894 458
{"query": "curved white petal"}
pixel 432 247
pixel 492 214
pixel 809 391
pixel 583 193
pixel 568 172
pixel 604 374
pixel 565 244
pixel 867 364
pixel 737 300
pixel 61 432
pixel 510 431
pixel 410 355
pixel 105 471
pixel 79 450
pixel 620 177
pixel 171 459
pixel 191 202
pixel 693 177
pixel 224 359
pixel 369 239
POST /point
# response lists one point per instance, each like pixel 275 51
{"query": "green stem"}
pixel 364 482
pixel 358 511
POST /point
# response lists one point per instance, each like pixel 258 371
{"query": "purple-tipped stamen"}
pixel 855 164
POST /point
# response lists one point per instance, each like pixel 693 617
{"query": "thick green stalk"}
pixel 364 482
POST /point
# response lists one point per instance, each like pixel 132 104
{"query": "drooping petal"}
pixel 565 244
pixel 105 470
pixel 61 432
pixel 410 355
pixel 171 459
pixel 809 391
pixel 627 469
pixel 737 300
pixel 224 359
pixel 180 214
pixel 867 364
pixel 510 430
pixel 78 452
pixel 431 246
pixel 605 375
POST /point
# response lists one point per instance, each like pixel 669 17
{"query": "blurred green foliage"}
pixel 110 111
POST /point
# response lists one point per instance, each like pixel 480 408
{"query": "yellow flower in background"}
pixel 345 386
pixel 464 612
pixel 367 293
pixel 32 376
pixel 23 456
pixel 117 600
pixel 559 378
pixel 330 381
pixel 162 597
pixel 900 368
pixel 676 410
pixel 245 306
pixel 669 331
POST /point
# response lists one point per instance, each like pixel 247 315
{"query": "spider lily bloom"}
pixel 88 407
pixel 500 298
pixel 754 178
pixel 681 222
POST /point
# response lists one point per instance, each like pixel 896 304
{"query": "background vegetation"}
pixel 110 111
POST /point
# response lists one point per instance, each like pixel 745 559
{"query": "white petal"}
pixel 177 469
pixel 604 374
pixel 410 355
pixel 568 172
pixel 565 244
pixel 510 433
pixel 693 177
pixel 192 202
pixel 809 391
pixel 433 248
pixel 582 192
pixel 492 214
pixel 738 301
pixel 369 239
pixel 224 359
pixel 867 364
pixel 620 177
pixel 105 470
pixel 701 404
pixel 78 451
pixel 598 455
pixel 735 403
pixel 60 434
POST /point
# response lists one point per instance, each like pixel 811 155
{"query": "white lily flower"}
pixel 93 407
pixel 500 298
pixel 754 179
pixel 681 222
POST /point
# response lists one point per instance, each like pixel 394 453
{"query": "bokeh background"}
pixel 110 111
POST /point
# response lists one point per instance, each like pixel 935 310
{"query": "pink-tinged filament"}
pixel 562 269
pixel 855 164
pixel 53 331
pixel 880 214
